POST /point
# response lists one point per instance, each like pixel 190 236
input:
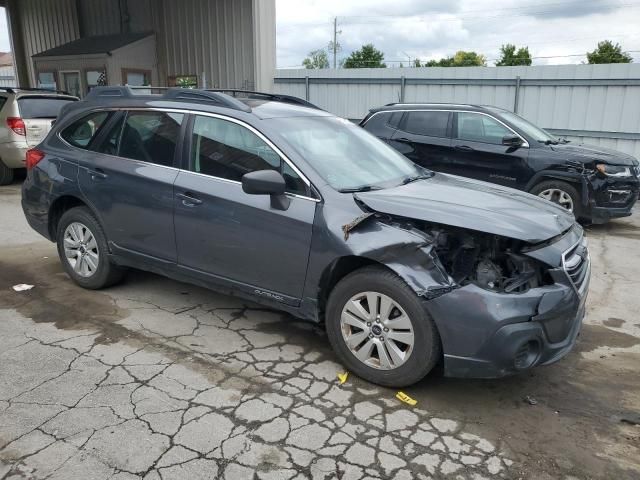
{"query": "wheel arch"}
pixel 570 177
pixel 59 206
pixel 336 271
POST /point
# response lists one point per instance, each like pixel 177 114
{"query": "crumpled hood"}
pixel 463 202
pixel 586 153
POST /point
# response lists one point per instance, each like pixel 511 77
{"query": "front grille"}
pixel 577 264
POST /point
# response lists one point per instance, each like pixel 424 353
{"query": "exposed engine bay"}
pixel 489 261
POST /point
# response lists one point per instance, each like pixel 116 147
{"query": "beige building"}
pixel 75 44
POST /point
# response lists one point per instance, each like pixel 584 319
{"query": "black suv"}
pixel 498 146
pixel 299 210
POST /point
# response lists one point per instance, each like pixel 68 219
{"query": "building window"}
pixel 184 81
pixel 95 78
pixel 135 77
pixel 47 80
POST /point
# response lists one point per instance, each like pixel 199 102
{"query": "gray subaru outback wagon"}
pixel 268 198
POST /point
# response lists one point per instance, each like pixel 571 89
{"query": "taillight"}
pixel 17 125
pixel 33 157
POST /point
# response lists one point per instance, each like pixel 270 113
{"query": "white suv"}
pixel 26 116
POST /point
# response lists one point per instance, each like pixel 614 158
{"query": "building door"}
pixel 70 82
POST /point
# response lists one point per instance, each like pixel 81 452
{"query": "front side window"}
pixel 475 127
pixel 224 149
pixel 345 155
pixel 149 137
pixel 429 123
pixel 82 131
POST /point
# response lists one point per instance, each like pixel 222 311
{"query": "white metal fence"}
pixel 598 104
pixel 7 77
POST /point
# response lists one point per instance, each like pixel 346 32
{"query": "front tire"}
pixel 380 329
pixel 6 174
pixel 561 193
pixel 83 250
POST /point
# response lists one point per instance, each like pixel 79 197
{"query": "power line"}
pixel 488 60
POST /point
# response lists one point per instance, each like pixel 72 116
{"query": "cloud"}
pixel 426 30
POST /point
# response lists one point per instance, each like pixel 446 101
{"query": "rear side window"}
pixel 227 150
pixel 429 123
pixel 41 107
pixel 81 132
pixel 148 136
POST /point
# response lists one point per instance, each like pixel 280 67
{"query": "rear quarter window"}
pixel 382 124
pixel 3 101
pixel 41 107
pixel 82 131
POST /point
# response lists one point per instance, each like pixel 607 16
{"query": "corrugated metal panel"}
pixel 7 76
pixel 46 25
pixel 215 37
pixel 100 17
pixel 577 98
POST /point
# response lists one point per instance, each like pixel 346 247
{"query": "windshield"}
pixel 345 155
pixel 527 127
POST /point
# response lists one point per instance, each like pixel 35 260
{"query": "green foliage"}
pixel 607 52
pixel 460 59
pixel 511 57
pixel 317 59
pixel 366 57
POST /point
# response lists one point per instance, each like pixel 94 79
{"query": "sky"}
pixel 554 30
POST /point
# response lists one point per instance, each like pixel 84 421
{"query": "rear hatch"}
pixel 38 113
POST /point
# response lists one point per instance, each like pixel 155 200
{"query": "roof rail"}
pixel 194 95
pixel 20 89
pixel 170 93
pixel 276 97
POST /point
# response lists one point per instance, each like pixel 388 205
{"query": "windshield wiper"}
pixel 361 188
pixel 549 142
pixel 415 178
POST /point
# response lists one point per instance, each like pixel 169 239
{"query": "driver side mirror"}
pixel 512 141
pixel 267 182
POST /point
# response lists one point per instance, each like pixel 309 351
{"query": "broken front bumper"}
pixel 489 334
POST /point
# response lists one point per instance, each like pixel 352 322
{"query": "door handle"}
pixel 188 200
pixel 464 148
pixel 402 139
pixel 97 174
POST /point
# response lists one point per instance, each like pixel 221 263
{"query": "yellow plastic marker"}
pixel 342 377
pixel 403 397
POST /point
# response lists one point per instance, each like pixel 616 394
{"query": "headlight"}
pixel 613 170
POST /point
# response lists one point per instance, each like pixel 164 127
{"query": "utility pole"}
pixel 335 41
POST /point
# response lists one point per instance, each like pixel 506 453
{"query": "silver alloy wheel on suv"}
pixel 559 197
pixel 377 330
pixel 81 249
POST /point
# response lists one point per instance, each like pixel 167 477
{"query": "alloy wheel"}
pixel 377 330
pixel 559 197
pixel 81 249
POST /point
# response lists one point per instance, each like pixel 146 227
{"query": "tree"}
pixel 469 59
pixel 607 52
pixel 510 56
pixel 367 57
pixel 460 59
pixel 317 59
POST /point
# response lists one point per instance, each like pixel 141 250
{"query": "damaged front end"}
pixel 501 305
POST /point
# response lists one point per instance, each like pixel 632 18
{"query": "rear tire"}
pixel 83 250
pixel 410 362
pixel 6 174
pixel 556 190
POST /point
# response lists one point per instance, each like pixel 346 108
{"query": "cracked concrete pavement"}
pixel 157 379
